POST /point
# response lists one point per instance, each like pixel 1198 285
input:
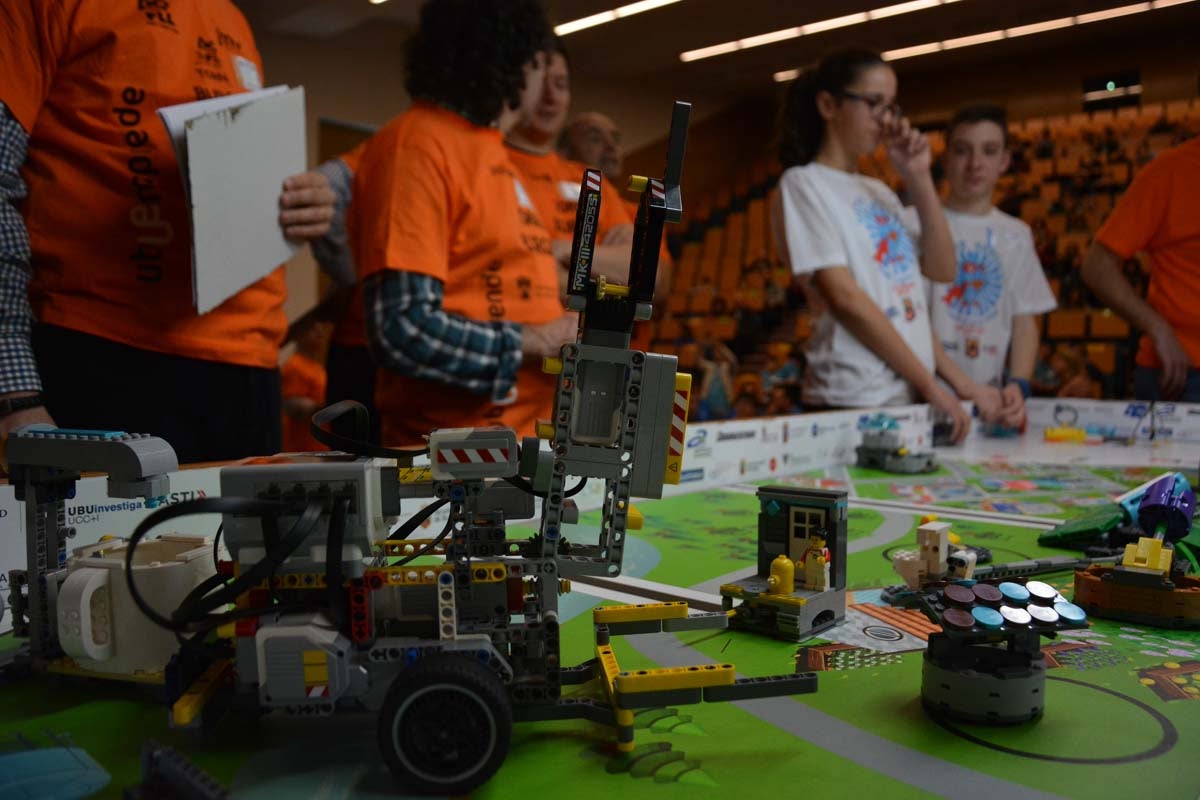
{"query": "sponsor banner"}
pixel 1120 418
pixel 92 513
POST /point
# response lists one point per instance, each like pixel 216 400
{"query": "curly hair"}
pixel 469 55
pixel 801 126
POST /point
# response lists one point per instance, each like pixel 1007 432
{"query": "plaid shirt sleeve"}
pixel 18 370
pixel 332 251
pixel 410 332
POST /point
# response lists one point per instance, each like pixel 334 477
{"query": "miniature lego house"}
pixel 798 529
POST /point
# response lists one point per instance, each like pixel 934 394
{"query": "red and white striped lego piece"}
pixel 657 191
pixel 593 180
pixel 472 456
pixel 317 691
pixel 678 423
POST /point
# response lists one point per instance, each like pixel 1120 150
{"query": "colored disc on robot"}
pixel 959 595
pixel 987 594
pixel 958 619
pixel 1015 616
pixel 987 617
pixel 1041 592
pixel 1014 593
pixel 1070 612
pixel 1043 614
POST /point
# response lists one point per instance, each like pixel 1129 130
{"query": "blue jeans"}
pixel 1145 385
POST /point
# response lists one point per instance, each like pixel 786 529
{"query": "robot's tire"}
pixel 445 726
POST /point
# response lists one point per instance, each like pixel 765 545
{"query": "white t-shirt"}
pixel 999 278
pixel 823 217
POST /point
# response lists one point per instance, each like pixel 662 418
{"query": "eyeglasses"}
pixel 875 104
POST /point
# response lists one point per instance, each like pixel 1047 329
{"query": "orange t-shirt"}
pixel 300 376
pixel 106 212
pixel 553 185
pixel 1160 215
pixel 351 329
pixel 437 195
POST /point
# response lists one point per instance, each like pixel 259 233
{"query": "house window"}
pixel 806 521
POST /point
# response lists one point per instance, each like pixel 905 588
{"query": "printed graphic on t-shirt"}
pixel 894 251
pixel 894 255
pixel 975 295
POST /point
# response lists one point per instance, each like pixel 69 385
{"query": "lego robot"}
pixel 882 448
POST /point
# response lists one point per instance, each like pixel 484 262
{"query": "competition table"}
pixel 1122 714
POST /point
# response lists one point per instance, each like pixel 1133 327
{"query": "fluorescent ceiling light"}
pixel 1040 27
pixel 968 41
pixel 810 28
pixel 377 2
pixel 612 15
pixel 1011 33
pixel 1109 13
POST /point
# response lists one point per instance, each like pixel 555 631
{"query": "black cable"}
pixel 217 547
pixel 339 612
pixel 414 522
pixel 263 569
pixel 358 446
pixel 428 548
pixel 198 604
pixel 527 487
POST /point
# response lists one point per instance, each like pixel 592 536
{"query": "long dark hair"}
pixel 801 126
pixel 469 55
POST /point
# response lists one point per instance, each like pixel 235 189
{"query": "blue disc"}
pixel 1014 593
pixel 987 617
pixel 1070 612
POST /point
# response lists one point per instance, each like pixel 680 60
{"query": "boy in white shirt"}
pixel 987 317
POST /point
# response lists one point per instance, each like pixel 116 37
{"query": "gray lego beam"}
pixel 769 686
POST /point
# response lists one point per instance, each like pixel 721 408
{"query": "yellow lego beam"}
pixel 639 613
pixel 657 680
pixel 416 475
pixel 189 706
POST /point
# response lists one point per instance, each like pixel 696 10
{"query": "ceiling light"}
pixel 627 10
pixel 1010 33
pixel 810 28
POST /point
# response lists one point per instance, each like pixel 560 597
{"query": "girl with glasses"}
pixel 846 234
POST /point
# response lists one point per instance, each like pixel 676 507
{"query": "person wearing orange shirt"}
pixel 460 286
pixel 1159 215
pixel 553 181
pixel 99 252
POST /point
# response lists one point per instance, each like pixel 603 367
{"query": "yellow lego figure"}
pixel 815 561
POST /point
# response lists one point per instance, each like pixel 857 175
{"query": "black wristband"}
pixel 11 405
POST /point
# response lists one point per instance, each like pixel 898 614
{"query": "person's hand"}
pixel 1012 415
pixel 306 206
pixel 1175 361
pixel 908 150
pixel 541 341
pixel 947 404
pixel 989 402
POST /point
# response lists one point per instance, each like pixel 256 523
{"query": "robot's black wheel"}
pixel 445 726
